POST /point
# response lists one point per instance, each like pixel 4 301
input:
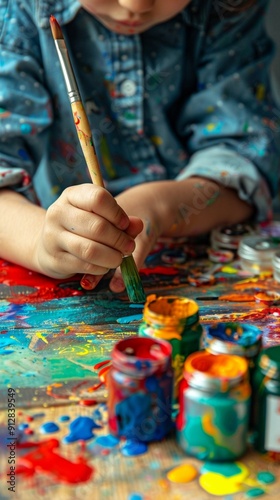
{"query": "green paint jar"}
pixel 266 388
pixel 212 423
pixel 175 319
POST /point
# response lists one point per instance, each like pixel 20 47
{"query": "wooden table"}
pixel 53 336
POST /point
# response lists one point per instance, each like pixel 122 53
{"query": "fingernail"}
pixel 124 222
pixel 129 247
pixel 89 282
pixel 117 285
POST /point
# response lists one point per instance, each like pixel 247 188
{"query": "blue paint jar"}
pixel 214 407
pixel 140 383
pixel 234 338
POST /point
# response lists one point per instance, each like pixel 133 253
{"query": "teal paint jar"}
pixel 266 388
pixel 176 320
pixel 214 407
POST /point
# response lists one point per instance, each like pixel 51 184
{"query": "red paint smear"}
pixel 87 402
pixel 46 288
pixel 102 363
pixel 45 460
pixel 262 314
pixel 159 270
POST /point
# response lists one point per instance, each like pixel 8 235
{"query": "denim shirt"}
pixel 188 97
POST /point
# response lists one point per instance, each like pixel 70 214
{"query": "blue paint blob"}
pixel 21 427
pixel 130 319
pixel 64 418
pixel 135 496
pixel 265 477
pixel 23 154
pixel 133 448
pixel 81 429
pixel 108 441
pixel 49 427
pixel 25 128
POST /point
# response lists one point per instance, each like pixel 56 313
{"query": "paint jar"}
pixel 276 266
pixel 140 383
pixel 214 407
pixel 228 238
pixel 266 386
pixel 175 319
pixel 234 338
pixel 256 253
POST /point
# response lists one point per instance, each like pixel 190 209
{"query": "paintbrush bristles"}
pixel 56 29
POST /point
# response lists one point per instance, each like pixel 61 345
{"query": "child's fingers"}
pixel 89 282
pixel 97 200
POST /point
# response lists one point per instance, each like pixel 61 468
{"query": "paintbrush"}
pixel 129 270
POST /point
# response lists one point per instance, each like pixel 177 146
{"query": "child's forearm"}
pixel 201 204
pixel 20 223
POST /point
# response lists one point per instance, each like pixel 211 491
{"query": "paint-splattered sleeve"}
pixel 231 121
pixel 24 103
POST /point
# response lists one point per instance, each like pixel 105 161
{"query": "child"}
pixel 177 95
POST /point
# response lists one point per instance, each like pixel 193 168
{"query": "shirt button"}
pixel 128 88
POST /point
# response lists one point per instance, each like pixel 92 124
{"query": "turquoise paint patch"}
pixel 226 469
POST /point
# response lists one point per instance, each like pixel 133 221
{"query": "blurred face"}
pixel 131 17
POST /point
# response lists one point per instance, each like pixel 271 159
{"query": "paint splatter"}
pixel 265 477
pixel 45 460
pixel 49 427
pixel 107 441
pixel 81 429
pixel 133 448
pixel 182 474
pixel 255 492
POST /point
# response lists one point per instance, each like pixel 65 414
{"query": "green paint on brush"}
pixel 132 280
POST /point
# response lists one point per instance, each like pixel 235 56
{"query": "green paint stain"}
pixel 255 492
pixel 265 477
pixel 213 199
pixel 225 469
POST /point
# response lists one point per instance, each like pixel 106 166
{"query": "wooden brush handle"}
pixel 85 138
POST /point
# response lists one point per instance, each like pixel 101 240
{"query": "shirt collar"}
pixel 63 10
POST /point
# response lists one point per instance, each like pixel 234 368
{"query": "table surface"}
pixel 53 337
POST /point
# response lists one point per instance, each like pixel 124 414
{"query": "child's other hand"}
pixel 85 231
pixel 147 202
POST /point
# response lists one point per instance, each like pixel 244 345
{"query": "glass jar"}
pixel 214 407
pixel 266 385
pixel 256 253
pixel 233 338
pixel 175 319
pixel 276 266
pixel 228 238
pixel 140 383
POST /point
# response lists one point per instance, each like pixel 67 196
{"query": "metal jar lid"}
pixel 229 237
pixel 258 248
pixel 232 338
pixel 276 261
pixel 214 372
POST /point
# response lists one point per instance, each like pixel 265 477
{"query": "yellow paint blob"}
pixel 216 484
pixel 208 426
pixel 156 140
pixel 228 270
pixel 182 474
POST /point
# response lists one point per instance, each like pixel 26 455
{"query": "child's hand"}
pixel 85 231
